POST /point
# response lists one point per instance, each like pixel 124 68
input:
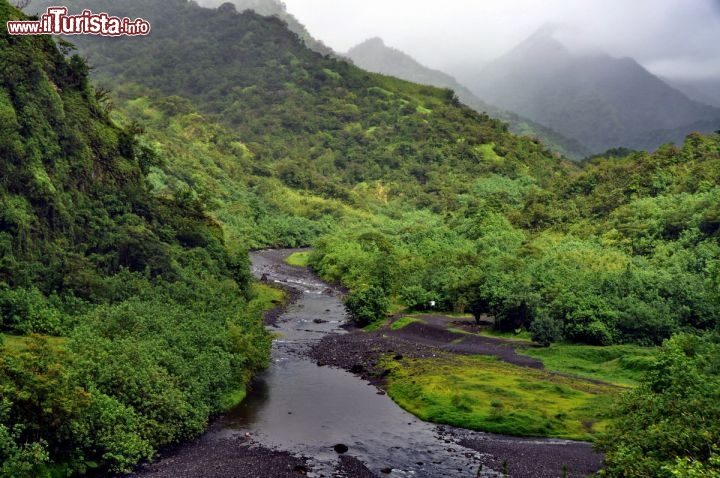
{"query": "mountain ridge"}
pixel 600 100
pixel 374 55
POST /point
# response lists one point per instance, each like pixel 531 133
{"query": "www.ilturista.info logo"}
pixel 57 22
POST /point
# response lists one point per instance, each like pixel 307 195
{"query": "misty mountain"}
pixel 373 55
pixel 702 90
pixel 276 8
pixel 266 8
pixel 597 99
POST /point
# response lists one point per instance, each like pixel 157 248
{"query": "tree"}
pixel 670 424
pixel 367 306
pixel 545 330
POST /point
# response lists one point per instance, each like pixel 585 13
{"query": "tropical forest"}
pixel 228 249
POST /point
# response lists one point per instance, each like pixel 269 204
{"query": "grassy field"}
pixel 617 364
pixel 482 393
pixel 264 297
pixel 404 322
pixel 298 259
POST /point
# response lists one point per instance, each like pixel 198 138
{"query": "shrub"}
pixel 367 306
pixel 545 330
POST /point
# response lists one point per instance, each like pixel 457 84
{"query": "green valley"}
pixel 129 202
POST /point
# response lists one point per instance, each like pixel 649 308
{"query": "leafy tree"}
pixel 670 424
pixel 545 330
pixel 367 305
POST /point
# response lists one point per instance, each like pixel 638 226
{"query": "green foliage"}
pixel 367 306
pixel 545 330
pixel 642 269
pixel 482 393
pixel 153 305
pixel 619 364
pixel 669 425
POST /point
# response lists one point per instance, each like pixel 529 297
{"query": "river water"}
pixel 298 406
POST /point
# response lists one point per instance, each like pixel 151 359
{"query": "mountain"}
pixel 278 9
pixel 313 121
pixel 701 90
pixel 601 101
pixel 374 55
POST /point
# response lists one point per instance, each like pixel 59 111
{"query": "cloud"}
pixel 675 36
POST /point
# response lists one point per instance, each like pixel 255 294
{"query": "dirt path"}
pixel 433 332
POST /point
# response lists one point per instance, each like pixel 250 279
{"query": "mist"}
pixel 673 38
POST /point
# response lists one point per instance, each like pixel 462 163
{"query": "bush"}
pixel 367 306
pixel 670 424
pixel 545 330
pixel 416 297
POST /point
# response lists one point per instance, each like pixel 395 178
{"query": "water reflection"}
pixel 298 406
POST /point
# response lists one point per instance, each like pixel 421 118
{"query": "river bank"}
pixel 297 411
pixel 363 353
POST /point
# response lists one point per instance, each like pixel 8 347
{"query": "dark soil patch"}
pixel 434 335
pixel 225 458
pixel 528 458
pixel 360 353
pixel 351 467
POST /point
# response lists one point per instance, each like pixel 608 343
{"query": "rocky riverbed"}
pixel 320 409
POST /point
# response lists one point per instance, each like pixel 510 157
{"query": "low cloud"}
pixel 671 37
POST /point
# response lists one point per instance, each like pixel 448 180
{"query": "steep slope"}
pixel 601 101
pixel 705 91
pixel 314 122
pixel 274 8
pixel 125 319
pixel 374 55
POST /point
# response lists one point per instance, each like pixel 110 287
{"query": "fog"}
pixel 675 38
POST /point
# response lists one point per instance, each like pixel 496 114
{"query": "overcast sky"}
pixel 679 38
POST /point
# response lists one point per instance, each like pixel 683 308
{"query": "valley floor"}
pixel 386 357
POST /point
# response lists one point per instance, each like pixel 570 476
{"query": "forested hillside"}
pixel 127 319
pixel 315 122
pixel 242 137
pixel 274 8
pixel 374 55
pixel 440 200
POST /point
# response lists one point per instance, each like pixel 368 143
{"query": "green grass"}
pixel 522 336
pixel 482 393
pixel 404 322
pixel 232 398
pixel 377 325
pixel 298 259
pixel 19 343
pixel 618 364
pixel 265 297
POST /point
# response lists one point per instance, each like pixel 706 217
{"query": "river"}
pixel 299 406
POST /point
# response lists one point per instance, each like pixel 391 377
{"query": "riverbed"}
pixel 325 422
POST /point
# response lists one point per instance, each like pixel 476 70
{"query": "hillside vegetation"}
pixel 129 321
pixel 373 55
pixel 406 195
